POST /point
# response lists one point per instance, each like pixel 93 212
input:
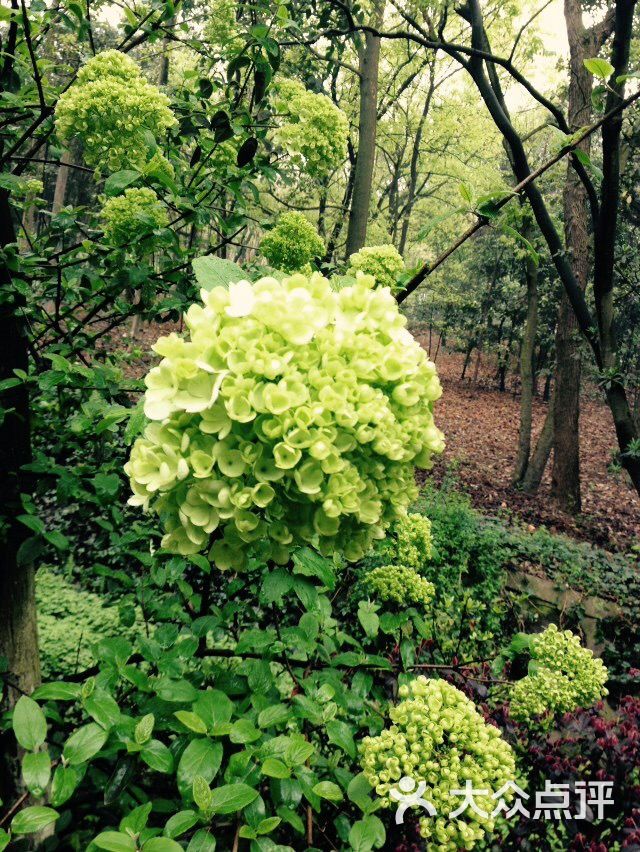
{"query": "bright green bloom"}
pixel 384 262
pixel 438 737
pixel 565 676
pixel 112 108
pixel 398 584
pixel 408 541
pixel 292 244
pixel 311 128
pixel 278 420
pixel 130 216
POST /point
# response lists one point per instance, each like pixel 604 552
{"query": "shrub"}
pixel 384 262
pixel 293 414
pixel 292 244
pixel 398 584
pixel 70 622
pixel 439 738
pixel 564 676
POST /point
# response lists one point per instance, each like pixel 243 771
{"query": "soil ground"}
pixel 481 428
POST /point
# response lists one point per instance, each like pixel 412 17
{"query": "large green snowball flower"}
pixel 112 108
pixel 384 262
pixel 398 584
pixel 565 676
pixel 132 215
pixel 291 414
pixel 292 244
pixel 438 737
pixel 311 128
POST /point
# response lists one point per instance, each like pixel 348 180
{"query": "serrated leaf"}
pixel 328 790
pixel 201 757
pixel 600 68
pixel 340 734
pixel 115 841
pixel 231 798
pixel 36 771
pixel 275 768
pixel 84 744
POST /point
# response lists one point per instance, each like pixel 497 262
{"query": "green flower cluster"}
pixel 132 215
pixel 384 262
pixel 399 584
pixel 292 414
pixel 292 244
pixel 565 676
pixel 408 542
pixel 312 129
pixel 112 108
pixel 438 737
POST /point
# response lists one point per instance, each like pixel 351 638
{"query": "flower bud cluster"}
pixel 384 262
pixel 291 414
pixel 438 737
pixel 564 676
pixel 112 109
pixel 398 584
pixel 130 216
pixel 311 128
pixel 292 244
pixel 409 541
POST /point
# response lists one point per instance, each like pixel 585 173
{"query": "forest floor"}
pixel 481 430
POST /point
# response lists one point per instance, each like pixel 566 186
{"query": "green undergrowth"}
pixel 70 621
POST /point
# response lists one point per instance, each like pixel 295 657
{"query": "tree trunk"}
pixel 62 179
pixel 527 372
pixel 18 629
pixel 565 477
pixel 539 457
pixel 369 62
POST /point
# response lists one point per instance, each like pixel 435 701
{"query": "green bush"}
pixel 70 621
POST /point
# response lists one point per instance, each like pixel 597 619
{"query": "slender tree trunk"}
pixel 538 461
pixel 369 62
pixel 18 628
pixel 565 477
pixel 527 371
pixel 62 179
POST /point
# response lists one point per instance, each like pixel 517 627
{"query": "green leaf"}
pixel 118 181
pixel 179 823
pixel 367 834
pixel 115 841
pixel 157 756
pixel 201 757
pixel 202 841
pixel 36 771
pixel 65 781
pixel 276 715
pixel 5 839
pixel 368 618
pixel 244 731
pixel 176 691
pixel 231 798
pixel 103 708
pixel 328 790
pixel 58 691
pixel 84 744
pixel 600 68
pixel 213 272
pixel 213 707
pixel 275 768
pixel 29 723
pixel 267 825
pixel 341 735
pixel 201 793
pixel 33 819
pixel 144 728
pixel 359 791
pixel 298 752
pixel 136 820
pixel 161 844
pixel 191 720
pixel 311 564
